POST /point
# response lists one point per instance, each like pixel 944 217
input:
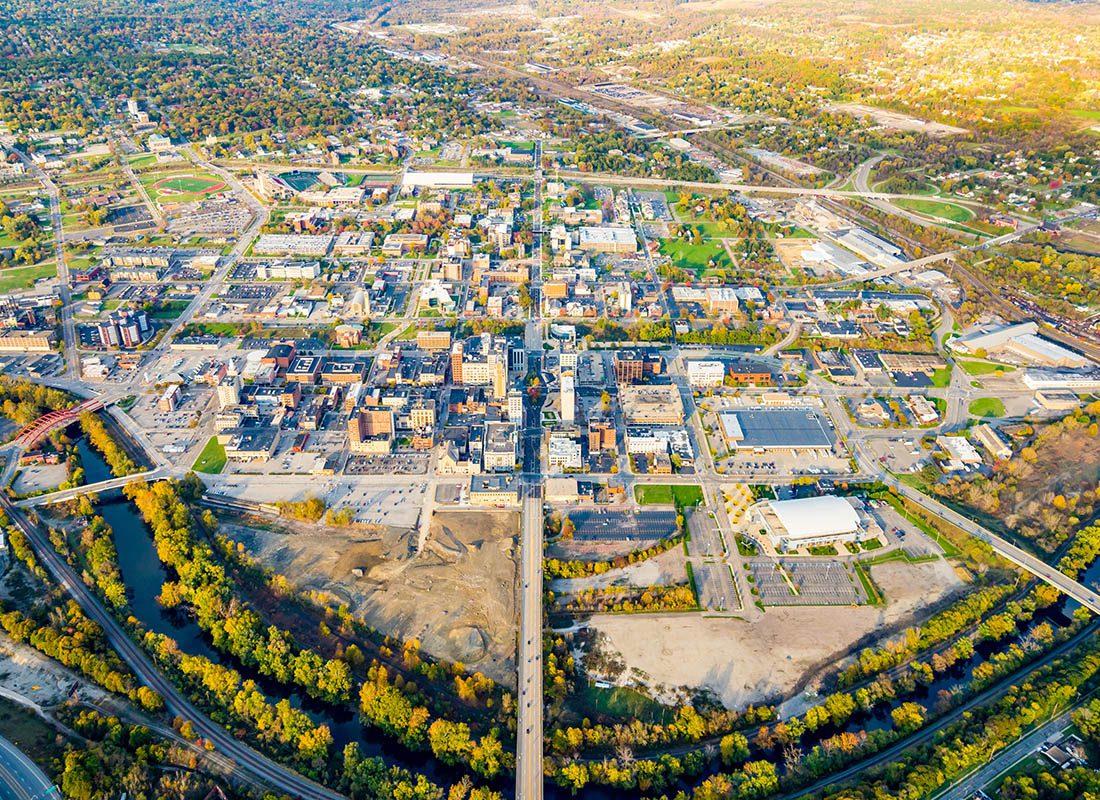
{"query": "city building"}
pixel 809 522
pixel 799 428
pixel 634 366
pixel 651 405
pixel 705 374
pixel 500 447
pixel 607 239
pixel 991 441
pixel 563 454
pixel 568 398
pixel 494 490
pixel 124 328
pixel 370 431
pixel 433 340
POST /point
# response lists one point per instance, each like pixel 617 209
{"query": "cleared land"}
pixel 25 277
pixel 781 654
pixel 457 596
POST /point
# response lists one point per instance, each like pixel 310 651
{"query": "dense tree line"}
pixel 24 402
pixel 101 439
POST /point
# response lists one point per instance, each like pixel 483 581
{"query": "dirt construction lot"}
pixel 778 656
pixel 457 596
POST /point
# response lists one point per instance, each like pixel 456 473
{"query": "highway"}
pixel 1002 547
pixel 20 778
pixel 278 777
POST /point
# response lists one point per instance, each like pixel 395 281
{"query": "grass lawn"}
pixel 987 407
pixel 711 229
pixel 24 277
pixel 984 368
pixel 687 494
pixel 212 458
pixel 30 734
pixel 143 160
pixel 938 209
pixel 624 702
pixel 942 377
pixel 695 257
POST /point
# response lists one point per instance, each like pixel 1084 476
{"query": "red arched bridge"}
pixel 30 435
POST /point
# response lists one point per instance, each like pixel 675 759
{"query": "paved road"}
pixel 102 486
pixel 20 778
pixel 529 774
pixel 281 778
pixel 68 326
pixel 1020 558
pixel 1005 760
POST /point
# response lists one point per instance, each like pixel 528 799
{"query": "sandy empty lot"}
pixel 457 596
pixel 780 655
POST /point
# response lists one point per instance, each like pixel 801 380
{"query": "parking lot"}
pixel 609 525
pixel 400 464
pixel 806 581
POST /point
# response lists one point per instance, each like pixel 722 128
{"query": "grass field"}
pixel 212 458
pixel 695 257
pixel 942 377
pixel 624 702
pixel 24 277
pixel 987 407
pixel 663 494
pixel 181 188
pixel 937 209
pixel 984 367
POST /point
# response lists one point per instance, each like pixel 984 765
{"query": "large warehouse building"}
pixel 809 522
pixel 800 428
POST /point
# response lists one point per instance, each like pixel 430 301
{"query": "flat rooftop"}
pixel 777 428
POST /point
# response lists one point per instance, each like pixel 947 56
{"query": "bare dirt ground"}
pixel 781 655
pixel 457 596
pixel 664 569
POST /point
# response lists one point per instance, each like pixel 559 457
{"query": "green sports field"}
pixel 182 188
pixel 189 184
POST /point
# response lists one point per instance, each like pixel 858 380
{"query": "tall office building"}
pixel 568 398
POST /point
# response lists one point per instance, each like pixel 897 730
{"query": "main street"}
pixel 278 777
pixel 529 772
